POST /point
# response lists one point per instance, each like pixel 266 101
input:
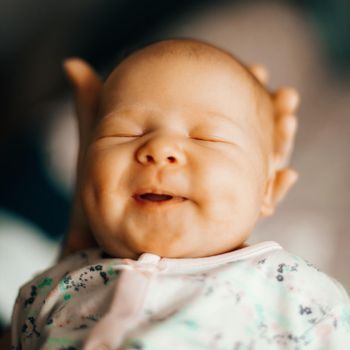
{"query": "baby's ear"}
pixel 87 87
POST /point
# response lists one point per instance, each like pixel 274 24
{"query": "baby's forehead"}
pixel 170 53
pixel 182 50
pixel 191 54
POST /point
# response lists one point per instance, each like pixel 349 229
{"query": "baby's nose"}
pixel 162 151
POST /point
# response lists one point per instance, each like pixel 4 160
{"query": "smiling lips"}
pixel 157 198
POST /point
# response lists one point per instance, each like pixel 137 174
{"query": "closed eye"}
pixel 120 136
pixel 210 139
pixel 205 139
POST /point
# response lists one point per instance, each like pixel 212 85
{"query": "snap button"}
pixel 148 258
pixel 101 347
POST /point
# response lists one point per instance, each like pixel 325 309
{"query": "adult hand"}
pixel 87 87
pixel 286 102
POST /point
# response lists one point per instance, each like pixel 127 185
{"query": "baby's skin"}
pixel 182 150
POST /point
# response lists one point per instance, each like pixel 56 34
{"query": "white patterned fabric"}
pixel 258 297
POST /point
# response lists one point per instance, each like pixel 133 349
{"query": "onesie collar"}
pixel 148 259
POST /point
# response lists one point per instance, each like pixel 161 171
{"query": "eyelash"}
pixel 126 136
pixel 202 139
pixel 205 139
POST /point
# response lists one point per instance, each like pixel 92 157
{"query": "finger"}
pixel 285 179
pixel 286 127
pixel 82 75
pixel 78 237
pixel 286 101
pixel 87 87
pixel 260 73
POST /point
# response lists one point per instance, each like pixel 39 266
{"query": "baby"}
pixel 182 151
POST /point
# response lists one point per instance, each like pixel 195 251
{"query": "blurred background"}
pixel 305 44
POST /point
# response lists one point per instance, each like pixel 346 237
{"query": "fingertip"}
pixel 293 176
pixel 70 64
pixel 287 100
pixel 260 73
pixel 80 73
pixel 291 123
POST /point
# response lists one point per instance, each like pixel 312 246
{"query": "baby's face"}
pixel 178 164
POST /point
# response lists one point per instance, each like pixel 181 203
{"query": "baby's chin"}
pixel 165 245
pixel 134 251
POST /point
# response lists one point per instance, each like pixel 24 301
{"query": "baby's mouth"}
pixel 159 198
pixel 154 197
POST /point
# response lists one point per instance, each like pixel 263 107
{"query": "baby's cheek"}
pixel 106 166
pixel 242 198
pixel 100 186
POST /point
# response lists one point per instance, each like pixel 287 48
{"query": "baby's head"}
pixel 182 157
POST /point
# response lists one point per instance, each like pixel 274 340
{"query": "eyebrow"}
pixel 210 115
pixel 222 117
pixel 120 111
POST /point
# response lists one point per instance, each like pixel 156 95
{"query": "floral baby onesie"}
pixel 258 297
